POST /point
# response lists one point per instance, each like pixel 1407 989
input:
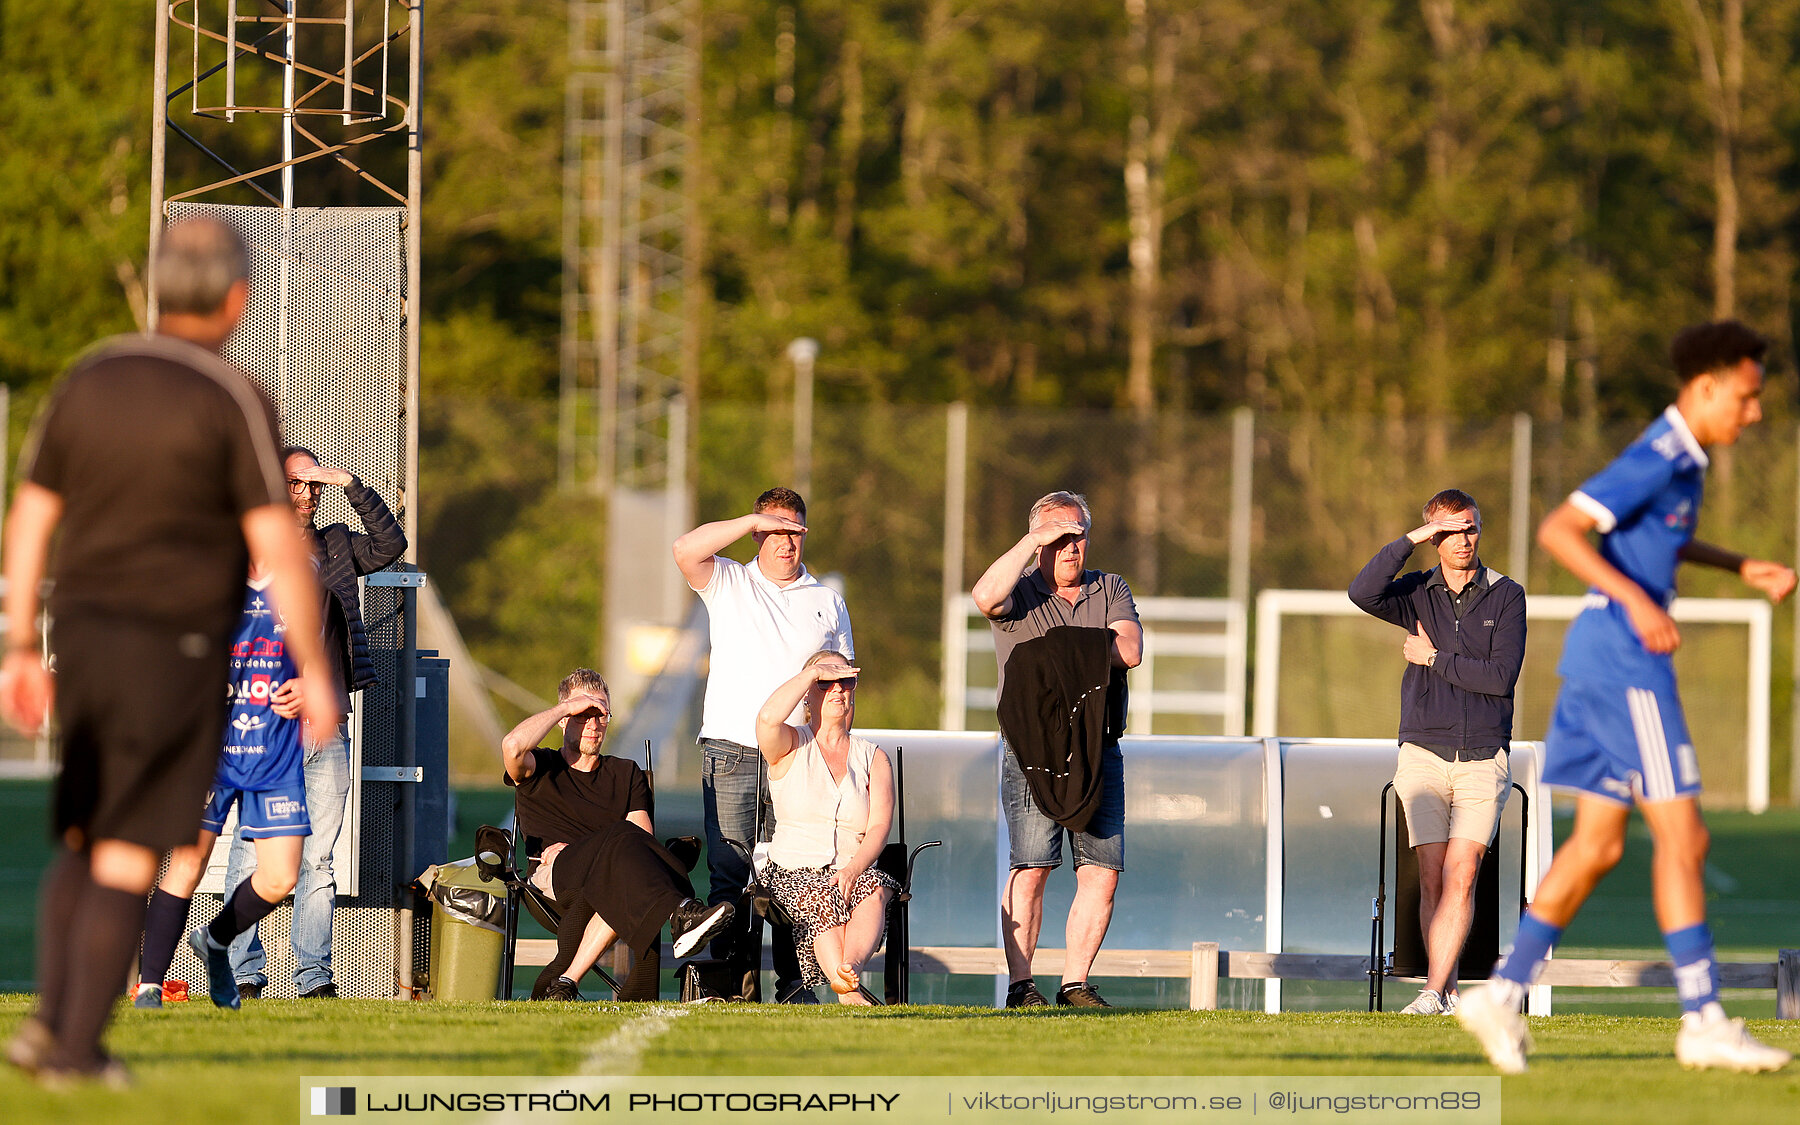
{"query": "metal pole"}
pixel 1519 548
pixel 955 660
pixel 1243 461
pixel 803 352
pixel 1243 469
pixel 159 135
pixel 606 270
pixel 406 723
pixel 290 37
pixel 675 510
pixel 1794 683
pixel 5 444
pixel 406 727
pixel 284 349
pixel 415 190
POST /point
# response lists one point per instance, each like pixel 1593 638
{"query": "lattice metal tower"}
pixel 628 267
pixel 629 350
pixel 297 123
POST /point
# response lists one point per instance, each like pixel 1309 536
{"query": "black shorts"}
pixel 141 709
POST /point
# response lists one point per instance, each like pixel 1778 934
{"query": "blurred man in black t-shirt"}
pixel 158 462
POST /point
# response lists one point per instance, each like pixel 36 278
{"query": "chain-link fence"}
pixel 517 559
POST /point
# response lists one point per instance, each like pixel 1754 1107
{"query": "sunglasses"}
pixel 848 683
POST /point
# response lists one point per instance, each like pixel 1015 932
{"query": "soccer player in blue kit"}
pixel 261 770
pixel 1617 736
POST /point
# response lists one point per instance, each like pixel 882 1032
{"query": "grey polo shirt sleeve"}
pixel 1119 603
pixel 1016 607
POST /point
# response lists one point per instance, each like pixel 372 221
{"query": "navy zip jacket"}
pixel 1465 699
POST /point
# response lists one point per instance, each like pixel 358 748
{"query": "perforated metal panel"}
pixel 362 950
pixel 324 335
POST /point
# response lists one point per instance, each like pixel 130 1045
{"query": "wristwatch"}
pixel 1432 659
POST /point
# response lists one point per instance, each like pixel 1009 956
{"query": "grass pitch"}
pixel 196 1064
pixel 1606 1057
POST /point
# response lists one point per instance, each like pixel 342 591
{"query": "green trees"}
pixel 1421 210
pixel 1448 206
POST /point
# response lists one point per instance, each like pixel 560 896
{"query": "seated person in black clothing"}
pixel 590 813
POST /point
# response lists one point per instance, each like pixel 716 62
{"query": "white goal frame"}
pixel 1273 605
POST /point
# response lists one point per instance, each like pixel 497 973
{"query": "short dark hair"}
pixel 295 450
pixel 781 498
pixel 1714 346
pixel 1450 500
pixel 584 680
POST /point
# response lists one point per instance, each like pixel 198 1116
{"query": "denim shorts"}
pixel 1037 840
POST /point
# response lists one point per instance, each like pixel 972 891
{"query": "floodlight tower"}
pixel 630 263
pixel 281 107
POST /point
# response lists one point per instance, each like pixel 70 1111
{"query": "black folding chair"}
pixel 1409 956
pixel 894 859
pixel 898 862
pixel 514 860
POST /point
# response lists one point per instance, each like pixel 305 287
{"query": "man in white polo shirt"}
pixel 767 617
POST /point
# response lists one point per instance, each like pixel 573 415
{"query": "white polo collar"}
pixel 761 579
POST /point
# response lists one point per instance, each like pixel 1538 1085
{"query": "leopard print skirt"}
pixel 810 896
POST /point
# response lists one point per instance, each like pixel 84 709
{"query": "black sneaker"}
pixel 1025 994
pixel 1080 994
pixel 561 989
pixel 326 991
pixel 694 923
pixel 249 991
pixel 220 984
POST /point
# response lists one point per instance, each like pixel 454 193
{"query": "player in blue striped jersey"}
pixel 1617 737
pixel 261 771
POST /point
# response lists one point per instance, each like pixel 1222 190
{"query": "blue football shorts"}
pixel 262 813
pixel 1620 743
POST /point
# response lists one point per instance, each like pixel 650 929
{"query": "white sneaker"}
pixel 1724 1044
pixel 1427 1003
pixel 1452 1001
pixel 1498 1027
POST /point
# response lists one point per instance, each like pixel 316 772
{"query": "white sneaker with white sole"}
pixel 1498 1027
pixel 1723 1044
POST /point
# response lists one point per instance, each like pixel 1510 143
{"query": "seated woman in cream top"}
pixel 834 800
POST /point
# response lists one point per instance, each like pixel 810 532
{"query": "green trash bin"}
pixel 468 932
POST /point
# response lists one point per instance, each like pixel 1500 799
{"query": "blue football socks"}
pixel 1696 968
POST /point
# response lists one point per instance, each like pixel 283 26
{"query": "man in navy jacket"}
pixel 1465 641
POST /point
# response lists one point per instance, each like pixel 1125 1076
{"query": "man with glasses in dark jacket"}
pixel 343 555
pixel 1465 641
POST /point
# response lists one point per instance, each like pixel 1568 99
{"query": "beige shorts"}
pixel 1444 799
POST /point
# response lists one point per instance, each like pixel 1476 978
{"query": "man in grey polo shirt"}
pixel 1023 606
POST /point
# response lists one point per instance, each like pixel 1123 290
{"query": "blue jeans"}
pixel 327 787
pixel 1036 840
pixel 728 794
